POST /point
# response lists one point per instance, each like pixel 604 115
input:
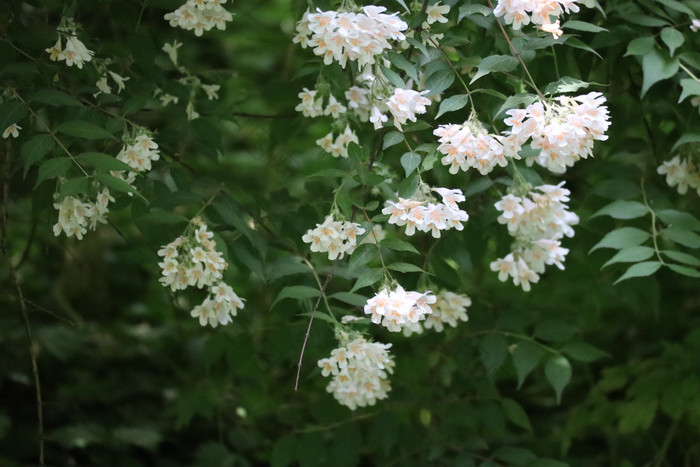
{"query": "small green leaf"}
pixel 103 161
pixel 84 130
pixel 468 10
pixel 357 152
pixel 554 331
pixel 299 292
pixel 35 149
pixel 622 238
pixel 682 257
pixel 495 63
pixel 633 254
pixel 565 84
pixel 515 413
pixel 400 62
pixel 623 210
pixel 672 38
pixel 399 245
pixel 678 6
pixel 362 255
pixel 439 81
pixel 55 98
pixel 404 267
pixel 582 26
pixel 452 103
pixel 526 356
pixel 493 350
pixel 657 67
pixel 640 46
pixel 73 186
pixel 392 138
pixel 686 271
pixel 408 186
pixel 114 183
pixel 558 373
pixel 680 219
pixel 688 137
pixel 682 236
pixel 514 102
pixel 583 352
pixel 410 162
pixel 52 168
pixel 350 298
pixel 11 112
pixel 690 87
pixel 161 216
pixel 393 77
pixel 644 269
pixel 369 278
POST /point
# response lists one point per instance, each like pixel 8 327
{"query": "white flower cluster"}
pixel 360 371
pixel 537 222
pixel 220 306
pixel 75 216
pixel 338 146
pixel 471 145
pixel 356 97
pixel 427 216
pixel 404 105
pixel 12 130
pixel 200 16
pixel 74 53
pixel 682 173
pixel 192 259
pixel 103 85
pixel 398 309
pixel 349 36
pixel 335 237
pixel 524 12
pixel 138 153
pixel 449 308
pixel 563 130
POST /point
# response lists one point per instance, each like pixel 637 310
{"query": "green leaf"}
pixel 114 183
pixel 55 98
pixel 52 168
pixel 681 257
pixel 554 331
pixel 565 84
pixel 493 350
pixel 439 81
pixel 513 102
pixel 103 161
pixel 410 162
pixel 640 46
pixel 286 266
pixel 682 236
pixel 558 373
pixel 357 152
pixel 515 413
pixel 644 269
pixel 672 38
pixel 73 186
pixel 35 149
pixel 142 437
pixel 577 44
pixel 11 112
pixel 583 352
pixel 678 6
pixel 686 271
pixel 392 138
pixel 404 267
pixel 468 10
pixel 690 87
pixel 452 103
pixel 526 356
pixel 644 20
pixel 399 245
pixel 350 298
pixel 657 67
pixel 637 414
pixel 617 189
pixel 688 137
pixel 362 255
pixel 408 186
pixel 632 254
pixel 393 77
pixel 582 26
pixel 400 62
pixel 680 219
pixel 161 216
pixel 478 186
pixel 299 292
pixel 495 63
pixel 369 278
pixel 84 130
pixel 622 238
pixel 623 210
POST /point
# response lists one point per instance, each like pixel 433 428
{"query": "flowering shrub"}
pixel 161 158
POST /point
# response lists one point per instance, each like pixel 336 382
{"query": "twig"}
pixel 311 319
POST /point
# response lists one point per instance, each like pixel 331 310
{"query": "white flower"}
pixel 171 50
pixel 695 25
pixel 334 107
pixel 197 16
pixel 377 118
pixel 102 86
pixel 683 173
pixel 397 309
pixel 76 216
pixel 310 106
pixel 359 370
pixel 12 130
pixel 55 50
pixel 211 91
pixel 334 237
pixel 119 80
pixel 139 153
pixel 553 28
pixel 522 12
pixel 75 52
pixel 435 13
pixel 405 104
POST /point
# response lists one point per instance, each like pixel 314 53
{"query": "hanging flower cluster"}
pixel 191 260
pixel 200 16
pixel 77 215
pixel 138 152
pixel 404 105
pixel 74 52
pixel 337 146
pixel 343 36
pixel 398 308
pixel 537 221
pixel 523 12
pixel 103 84
pixel 449 308
pixel 682 173
pixel 360 371
pixel 563 130
pixel 424 215
pixel 335 237
pixel 470 145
